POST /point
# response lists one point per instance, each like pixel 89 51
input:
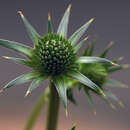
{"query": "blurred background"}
pixel 112 22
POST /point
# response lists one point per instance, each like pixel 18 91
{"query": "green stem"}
pixel 36 111
pixel 53 108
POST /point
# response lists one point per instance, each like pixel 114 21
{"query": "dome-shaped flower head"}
pixel 53 57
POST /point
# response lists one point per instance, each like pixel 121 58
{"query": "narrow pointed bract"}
pixel 35 83
pixel 84 80
pixel 78 46
pixel 63 26
pixel 104 53
pixel 113 97
pixel 85 52
pixel 79 33
pixel 31 31
pixel 106 101
pixel 61 89
pixel 116 68
pixel 21 79
pixel 70 96
pixel 50 28
pixel 113 83
pixel 90 99
pixel 85 59
pixel 91 48
pixel 118 59
pixel 17 60
pixel 18 47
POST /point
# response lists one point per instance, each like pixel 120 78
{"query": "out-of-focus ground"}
pixel 17 122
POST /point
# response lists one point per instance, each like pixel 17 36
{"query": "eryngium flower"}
pixel 53 56
pixel 98 73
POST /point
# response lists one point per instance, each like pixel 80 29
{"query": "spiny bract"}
pixel 98 73
pixel 53 56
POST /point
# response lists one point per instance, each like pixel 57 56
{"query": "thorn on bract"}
pixel 21 14
pixel 49 17
pixel 6 57
pixel 66 113
pixel 69 7
pixel 27 93
pixel 114 64
pixel 104 95
pixel 86 38
pixel 91 20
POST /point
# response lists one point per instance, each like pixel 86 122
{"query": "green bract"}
pixel 53 57
pixel 98 73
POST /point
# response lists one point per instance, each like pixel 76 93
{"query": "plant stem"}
pixel 53 108
pixel 36 111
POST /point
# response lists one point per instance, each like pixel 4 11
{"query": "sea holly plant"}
pixel 54 57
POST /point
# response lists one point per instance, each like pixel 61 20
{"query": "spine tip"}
pixel 114 64
pixel 66 113
pixel 27 93
pixel 86 38
pixel 49 17
pixel 91 20
pixel 6 57
pixel 21 14
pixel 104 95
pixel 69 7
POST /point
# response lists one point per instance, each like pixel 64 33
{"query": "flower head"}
pixel 98 73
pixel 54 56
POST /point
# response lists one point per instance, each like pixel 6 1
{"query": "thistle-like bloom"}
pixel 98 73
pixel 53 57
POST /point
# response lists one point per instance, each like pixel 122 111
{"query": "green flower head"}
pixel 53 57
pixel 98 73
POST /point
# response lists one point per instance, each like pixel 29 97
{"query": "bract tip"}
pixel 49 16
pixel 91 20
pixel 115 64
pixel 21 14
pixel 6 57
pixel 66 113
pixel 69 7
pixel 27 93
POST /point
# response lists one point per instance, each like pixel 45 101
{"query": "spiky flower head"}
pixel 53 56
pixel 98 73
pixel 55 53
